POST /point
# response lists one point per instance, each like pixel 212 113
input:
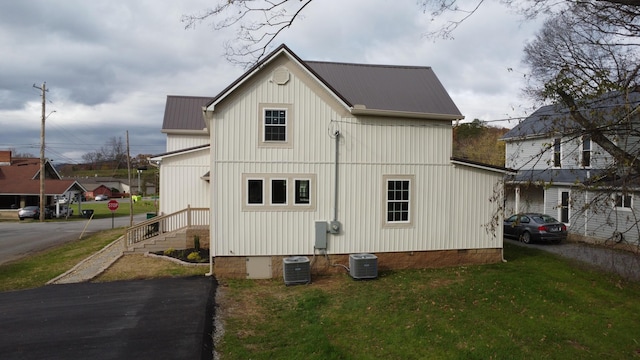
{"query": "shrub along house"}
pixel 328 159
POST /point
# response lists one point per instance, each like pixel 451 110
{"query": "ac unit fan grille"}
pixel 296 270
pixel 363 266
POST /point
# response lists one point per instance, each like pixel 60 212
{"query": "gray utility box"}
pixel 363 266
pixel 296 270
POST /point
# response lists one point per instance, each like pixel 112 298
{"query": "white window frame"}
pixel 586 139
pixel 557 143
pixel 288 126
pixel 615 198
pixel 560 205
pixel 295 191
pixel 410 201
pixel 267 192
pixel 246 190
pixel 286 191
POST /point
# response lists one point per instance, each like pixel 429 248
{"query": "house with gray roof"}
pixel 326 160
pixel 562 172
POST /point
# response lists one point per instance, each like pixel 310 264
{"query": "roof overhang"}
pixel 482 166
pixel 204 131
pixel 159 157
pixel 362 111
pixel 282 50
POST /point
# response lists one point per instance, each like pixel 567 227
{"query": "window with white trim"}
pixel 623 201
pixel 255 192
pixel 275 125
pixel 276 192
pixel 586 151
pixel 398 199
pixel 557 152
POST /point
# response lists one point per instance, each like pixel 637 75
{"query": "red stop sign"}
pixel 112 205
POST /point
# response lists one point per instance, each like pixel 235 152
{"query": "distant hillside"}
pixel 478 142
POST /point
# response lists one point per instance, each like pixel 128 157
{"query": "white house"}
pixel 564 173
pixel 327 159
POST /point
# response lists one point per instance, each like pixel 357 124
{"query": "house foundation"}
pixel 236 267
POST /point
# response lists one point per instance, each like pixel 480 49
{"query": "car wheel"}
pixel 555 241
pixel 526 237
pixel 21 218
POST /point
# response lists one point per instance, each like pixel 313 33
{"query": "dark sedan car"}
pixel 534 227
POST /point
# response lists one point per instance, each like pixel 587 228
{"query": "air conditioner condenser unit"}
pixel 296 270
pixel 363 266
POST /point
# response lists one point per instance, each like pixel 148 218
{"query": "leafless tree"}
pixel 259 22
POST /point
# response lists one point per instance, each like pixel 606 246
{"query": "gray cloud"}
pixel 109 65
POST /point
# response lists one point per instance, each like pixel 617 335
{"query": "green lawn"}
pixel 535 306
pixel 102 211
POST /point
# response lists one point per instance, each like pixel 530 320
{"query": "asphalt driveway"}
pixel 146 319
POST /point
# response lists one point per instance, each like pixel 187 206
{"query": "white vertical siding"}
pixel 451 204
pixel 177 142
pixel 181 182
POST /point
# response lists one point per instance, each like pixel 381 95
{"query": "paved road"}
pixel 145 319
pixel 19 239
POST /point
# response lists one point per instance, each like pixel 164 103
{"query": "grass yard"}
pixel 535 306
pixel 100 209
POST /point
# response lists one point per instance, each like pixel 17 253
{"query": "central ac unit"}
pixel 296 270
pixel 363 266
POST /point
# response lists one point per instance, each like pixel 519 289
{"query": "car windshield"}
pixel 544 219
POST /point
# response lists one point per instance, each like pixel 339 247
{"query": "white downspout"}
pixel 213 183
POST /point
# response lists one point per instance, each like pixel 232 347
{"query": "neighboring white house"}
pixel 328 159
pixel 564 173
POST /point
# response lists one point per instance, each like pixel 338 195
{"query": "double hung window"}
pixel 398 200
pixel 623 201
pixel 275 125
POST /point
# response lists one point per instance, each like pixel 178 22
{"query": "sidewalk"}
pixel 92 266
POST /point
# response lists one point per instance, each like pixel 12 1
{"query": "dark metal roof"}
pixel 556 118
pixel 184 113
pixel 378 87
pixel 386 87
pixel 556 176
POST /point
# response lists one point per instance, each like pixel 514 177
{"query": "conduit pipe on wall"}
pixel 334 227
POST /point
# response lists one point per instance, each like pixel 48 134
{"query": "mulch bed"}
pixel 182 254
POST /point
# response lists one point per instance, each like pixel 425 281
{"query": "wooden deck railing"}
pixel 165 223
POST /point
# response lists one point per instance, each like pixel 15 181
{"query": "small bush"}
pixel 194 256
pixel 196 242
pixel 169 251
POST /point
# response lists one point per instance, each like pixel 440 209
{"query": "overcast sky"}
pixel 109 64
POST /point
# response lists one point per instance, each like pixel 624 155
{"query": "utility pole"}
pixel 129 179
pixel 43 89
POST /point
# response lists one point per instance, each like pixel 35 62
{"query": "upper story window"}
pixel 276 122
pixel 586 151
pixel 275 125
pixel 398 200
pixel 557 154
